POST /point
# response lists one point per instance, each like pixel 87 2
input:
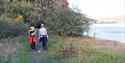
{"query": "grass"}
pixel 95 55
pixel 60 50
pixel 85 53
pixel 15 50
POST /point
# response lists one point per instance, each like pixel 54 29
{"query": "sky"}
pixel 99 8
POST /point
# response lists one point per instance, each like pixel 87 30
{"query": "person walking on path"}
pixel 32 38
pixel 43 36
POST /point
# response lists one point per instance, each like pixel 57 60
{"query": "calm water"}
pixel 109 31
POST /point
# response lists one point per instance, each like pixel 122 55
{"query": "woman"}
pixel 43 36
pixel 32 37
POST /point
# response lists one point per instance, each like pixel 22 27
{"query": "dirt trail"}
pixel 37 58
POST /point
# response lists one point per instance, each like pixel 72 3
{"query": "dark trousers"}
pixel 33 46
pixel 43 40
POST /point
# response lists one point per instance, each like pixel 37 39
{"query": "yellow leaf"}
pixel 19 18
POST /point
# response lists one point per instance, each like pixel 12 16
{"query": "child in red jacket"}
pixel 32 38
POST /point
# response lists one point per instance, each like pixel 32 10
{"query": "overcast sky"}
pixel 100 8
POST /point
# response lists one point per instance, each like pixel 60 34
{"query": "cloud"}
pixel 100 8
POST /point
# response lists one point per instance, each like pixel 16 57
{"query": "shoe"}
pixel 38 51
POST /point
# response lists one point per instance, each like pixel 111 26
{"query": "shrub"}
pixel 65 22
pixel 10 28
pixel 68 50
pixel 16 8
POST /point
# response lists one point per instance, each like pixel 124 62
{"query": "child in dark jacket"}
pixel 43 36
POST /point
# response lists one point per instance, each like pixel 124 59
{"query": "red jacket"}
pixel 32 39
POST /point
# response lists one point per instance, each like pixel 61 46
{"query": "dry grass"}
pixel 87 50
pixel 14 50
pixel 8 45
pixel 100 43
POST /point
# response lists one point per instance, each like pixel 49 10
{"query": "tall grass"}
pixel 60 50
pixel 84 54
pixel 15 50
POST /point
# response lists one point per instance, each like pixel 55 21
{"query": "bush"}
pixel 10 28
pixel 16 8
pixel 67 50
pixel 65 22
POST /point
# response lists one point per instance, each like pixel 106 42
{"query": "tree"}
pixel 65 22
pixel 2 6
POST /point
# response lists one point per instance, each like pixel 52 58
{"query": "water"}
pixel 114 31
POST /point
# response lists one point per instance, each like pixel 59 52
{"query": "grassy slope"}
pixel 64 50
pixel 15 50
pixel 85 54
pixel 83 50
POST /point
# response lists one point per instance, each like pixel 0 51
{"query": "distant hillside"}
pixel 114 18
